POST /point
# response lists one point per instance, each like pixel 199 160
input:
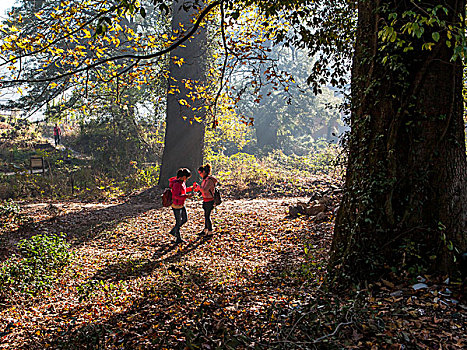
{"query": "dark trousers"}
pixel 180 218
pixel 57 139
pixel 208 207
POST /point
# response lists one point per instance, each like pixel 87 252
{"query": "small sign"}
pixel 37 162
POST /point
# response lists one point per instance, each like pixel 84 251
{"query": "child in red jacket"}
pixel 179 195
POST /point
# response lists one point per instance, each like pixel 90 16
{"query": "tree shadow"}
pixel 136 268
pixel 87 224
pixel 186 310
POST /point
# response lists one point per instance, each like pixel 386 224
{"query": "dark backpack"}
pixel 217 197
pixel 167 197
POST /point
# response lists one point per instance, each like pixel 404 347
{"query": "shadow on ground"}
pixel 190 309
pixel 87 224
pixel 137 268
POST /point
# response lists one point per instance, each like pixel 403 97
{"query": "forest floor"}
pixel 256 283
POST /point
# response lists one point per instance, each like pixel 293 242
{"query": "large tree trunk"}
pixel 405 196
pixel 184 136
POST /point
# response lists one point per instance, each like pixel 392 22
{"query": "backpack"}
pixel 217 197
pixel 167 197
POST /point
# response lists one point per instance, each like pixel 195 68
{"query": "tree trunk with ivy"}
pixel 184 134
pixel 405 198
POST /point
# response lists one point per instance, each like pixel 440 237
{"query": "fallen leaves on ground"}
pixel 254 283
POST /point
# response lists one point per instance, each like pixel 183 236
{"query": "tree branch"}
pixel 174 45
pixel 61 38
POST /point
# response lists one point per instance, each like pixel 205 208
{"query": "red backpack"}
pixel 167 197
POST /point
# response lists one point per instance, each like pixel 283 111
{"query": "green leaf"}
pixel 142 11
pixel 435 36
pixel 450 246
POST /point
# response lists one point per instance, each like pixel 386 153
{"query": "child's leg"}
pixel 178 222
pixel 184 216
pixel 208 207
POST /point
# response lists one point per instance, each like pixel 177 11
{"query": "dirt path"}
pixel 131 287
pixel 254 284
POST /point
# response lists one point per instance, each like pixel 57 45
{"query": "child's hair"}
pixel 205 168
pixel 183 172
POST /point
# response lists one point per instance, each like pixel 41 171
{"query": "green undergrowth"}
pixel 241 174
pixel 274 173
pixel 11 216
pixel 35 268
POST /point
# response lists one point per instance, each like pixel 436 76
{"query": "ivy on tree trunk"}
pixel 405 198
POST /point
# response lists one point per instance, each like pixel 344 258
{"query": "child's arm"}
pixel 193 188
pixel 184 191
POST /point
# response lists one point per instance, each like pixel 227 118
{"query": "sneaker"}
pixel 202 233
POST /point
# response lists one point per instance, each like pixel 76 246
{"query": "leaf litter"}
pixel 254 284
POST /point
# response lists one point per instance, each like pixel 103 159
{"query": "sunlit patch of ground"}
pixel 129 284
pixel 254 283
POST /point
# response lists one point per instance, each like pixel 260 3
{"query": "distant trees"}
pixel 288 119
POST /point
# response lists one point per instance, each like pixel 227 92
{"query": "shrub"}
pixel 41 259
pixel 244 170
pixel 9 211
pixel 143 176
pixel 11 216
pixel 322 160
pixel 241 170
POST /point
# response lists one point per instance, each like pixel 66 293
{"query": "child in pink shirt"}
pixel 207 187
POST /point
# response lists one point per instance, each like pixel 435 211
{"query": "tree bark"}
pixel 184 136
pixel 405 197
